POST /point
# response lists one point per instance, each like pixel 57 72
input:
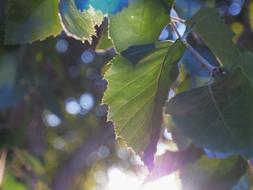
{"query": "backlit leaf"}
pixel 79 25
pixel 136 94
pixel 140 23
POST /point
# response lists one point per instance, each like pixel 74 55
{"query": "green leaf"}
pixel 140 23
pixel 247 65
pixel 28 21
pixel 77 24
pixel 207 23
pixel 208 174
pixel 218 116
pixel 11 183
pixel 31 161
pixel 136 94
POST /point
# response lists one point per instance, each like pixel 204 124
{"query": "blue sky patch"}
pixel 105 6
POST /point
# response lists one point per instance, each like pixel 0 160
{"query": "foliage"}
pixel 38 21
pixel 130 78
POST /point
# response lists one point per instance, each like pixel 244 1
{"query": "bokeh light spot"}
pixel 87 57
pixel 52 120
pixel 61 46
pixel 87 101
pixel 234 9
pixel 72 106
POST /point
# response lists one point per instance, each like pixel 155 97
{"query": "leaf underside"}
pixel 218 116
pixel 208 24
pixel 77 24
pixel 211 173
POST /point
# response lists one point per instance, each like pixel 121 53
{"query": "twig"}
pixel 250 174
pixel 3 156
pixel 177 19
pixel 201 59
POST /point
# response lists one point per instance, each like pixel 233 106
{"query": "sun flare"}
pixel 125 181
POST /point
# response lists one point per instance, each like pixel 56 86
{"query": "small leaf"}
pixel 219 116
pixel 29 21
pixel 207 23
pixel 136 94
pixel 77 24
pixel 11 183
pixel 140 23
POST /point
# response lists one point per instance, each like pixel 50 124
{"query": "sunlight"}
pixel 125 181
pixel 170 182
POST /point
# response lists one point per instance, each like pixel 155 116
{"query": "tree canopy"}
pixel 126 94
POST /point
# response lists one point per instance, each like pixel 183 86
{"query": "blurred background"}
pixel 51 114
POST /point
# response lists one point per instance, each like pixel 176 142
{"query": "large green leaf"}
pixel 80 25
pixel 218 116
pixel 140 23
pixel 28 21
pixel 211 174
pixel 247 64
pixel 207 23
pixel 136 94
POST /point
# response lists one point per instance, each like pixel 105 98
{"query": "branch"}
pixel 3 156
pixel 201 59
pixel 177 19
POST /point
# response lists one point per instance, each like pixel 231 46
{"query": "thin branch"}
pixel 250 174
pixel 3 156
pixel 201 59
pixel 177 19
